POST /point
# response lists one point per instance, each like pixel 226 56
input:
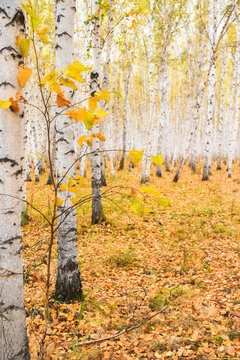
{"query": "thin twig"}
pixel 126 331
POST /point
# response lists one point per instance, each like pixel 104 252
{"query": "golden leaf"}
pixel 68 82
pixel 73 189
pixel 5 104
pixel 101 113
pixel 74 201
pixel 82 139
pixel 59 201
pixel 158 159
pixel 136 156
pixel 92 103
pixel 24 74
pixel 63 187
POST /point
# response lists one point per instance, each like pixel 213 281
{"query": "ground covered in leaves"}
pixel 130 264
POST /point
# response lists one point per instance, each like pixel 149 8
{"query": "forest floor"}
pixel 130 264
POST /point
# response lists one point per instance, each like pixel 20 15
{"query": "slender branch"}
pixel 134 327
pixel 28 203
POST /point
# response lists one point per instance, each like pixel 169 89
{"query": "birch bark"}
pixel 234 117
pixel 68 284
pixel 97 209
pixel 211 89
pixel 13 332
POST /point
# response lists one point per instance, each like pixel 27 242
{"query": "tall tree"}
pixel 13 333
pixel 97 209
pixel 68 284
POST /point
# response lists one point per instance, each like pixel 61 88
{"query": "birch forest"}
pixel 119 179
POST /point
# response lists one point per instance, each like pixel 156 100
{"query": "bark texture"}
pixel 13 332
pixel 68 284
pixel 97 209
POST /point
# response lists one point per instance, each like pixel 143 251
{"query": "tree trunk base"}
pixel 121 166
pixel 68 284
pixel 159 171
pixel 144 179
pixel 103 180
pixel 98 218
pixel 176 178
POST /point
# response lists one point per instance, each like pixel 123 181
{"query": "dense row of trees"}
pixel 105 79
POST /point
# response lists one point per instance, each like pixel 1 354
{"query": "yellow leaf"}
pixel 73 189
pixel 74 201
pixel 24 74
pixel 35 20
pixel 82 113
pixel 24 45
pixel 88 120
pixel 158 159
pixel 105 95
pixel 74 71
pixel 63 187
pixel 136 156
pixel 5 104
pixel 68 82
pixel 59 201
pixel 117 94
pixel 150 191
pixel 42 30
pixel 51 79
pixel 70 182
pixel 80 180
pixel 92 103
pixel 82 139
pixel 101 113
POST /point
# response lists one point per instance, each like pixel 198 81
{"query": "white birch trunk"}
pixel 222 110
pixel 97 209
pixel 234 116
pixel 68 284
pixel 13 333
pixel 211 89
pixel 152 123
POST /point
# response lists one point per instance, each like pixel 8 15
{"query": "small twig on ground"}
pixel 143 322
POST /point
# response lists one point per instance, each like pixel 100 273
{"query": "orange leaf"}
pixel 97 120
pixel 61 100
pixel 24 74
pixel 99 136
pixel 90 140
pixel 57 88
pixel 74 114
pixel 19 96
pixel 15 107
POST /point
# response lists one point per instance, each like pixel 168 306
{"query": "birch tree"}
pixel 13 333
pixel 97 209
pixel 68 284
